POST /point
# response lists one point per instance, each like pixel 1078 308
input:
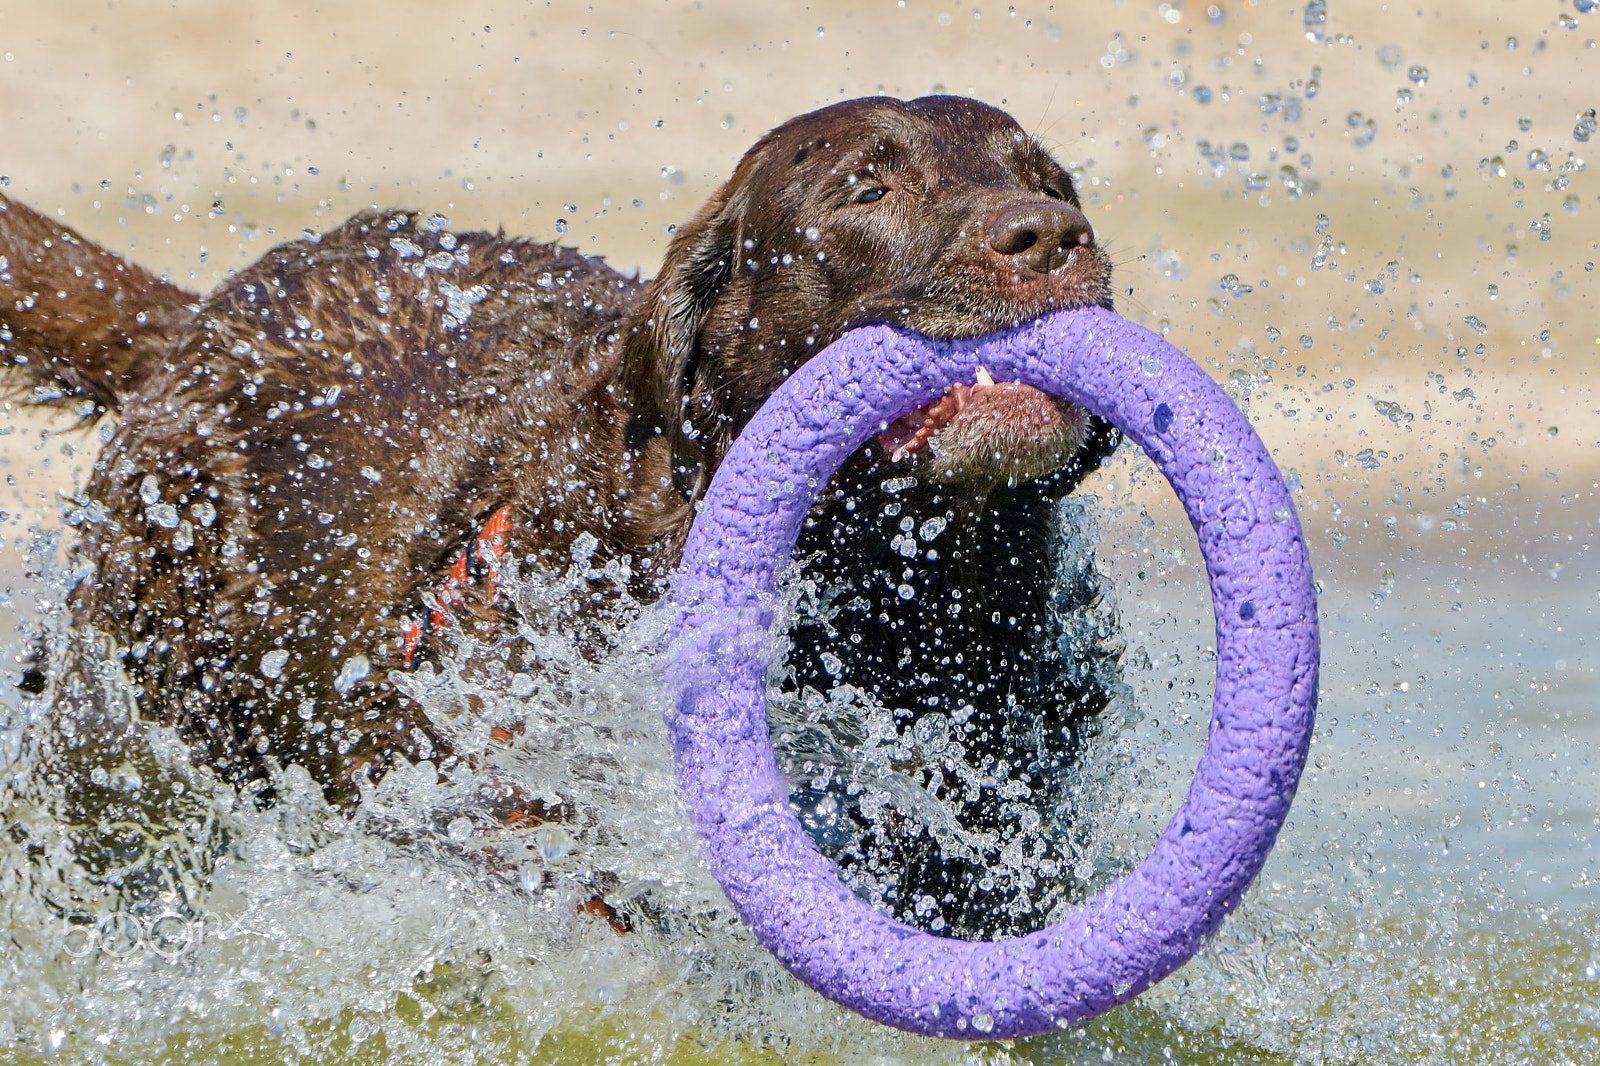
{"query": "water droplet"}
pixel 1418 74
pixel 355 670
pixel 1366 128
pixel 561 225
pixel 1587 123
pixel 553 843
pixel 1477 325
pixel 1316 19
pixel 163 514
pixel 149 490
pixel 1291 182
pixel 1305 340
pixel 1394 412
pixel 273 662
pixel 932 732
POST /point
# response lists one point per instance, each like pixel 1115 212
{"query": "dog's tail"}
pixel 78 325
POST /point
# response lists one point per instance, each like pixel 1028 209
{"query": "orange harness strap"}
pixel 478 565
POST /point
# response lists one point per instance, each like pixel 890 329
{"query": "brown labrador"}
pixel 311 471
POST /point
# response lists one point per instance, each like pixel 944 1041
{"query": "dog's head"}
pixel 940 215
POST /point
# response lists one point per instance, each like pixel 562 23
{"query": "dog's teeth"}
pixel 984 378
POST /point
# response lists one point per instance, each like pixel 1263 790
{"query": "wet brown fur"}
pixel 299 457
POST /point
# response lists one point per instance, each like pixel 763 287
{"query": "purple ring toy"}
pixel 1143 926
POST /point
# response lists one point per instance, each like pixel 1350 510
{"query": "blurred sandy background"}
pixel 1410 307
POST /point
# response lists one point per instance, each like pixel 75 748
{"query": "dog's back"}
pixel 79 326
pixel 299 456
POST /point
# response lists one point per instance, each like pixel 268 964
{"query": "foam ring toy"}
pixel 1145 925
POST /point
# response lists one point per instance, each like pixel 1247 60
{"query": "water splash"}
pixel 545 892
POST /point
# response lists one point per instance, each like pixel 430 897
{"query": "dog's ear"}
pixel 661 359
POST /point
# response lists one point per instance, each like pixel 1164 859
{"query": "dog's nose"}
pixel 1039 234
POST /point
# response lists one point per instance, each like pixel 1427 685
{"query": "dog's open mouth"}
pixel 908 433
pixel 989 430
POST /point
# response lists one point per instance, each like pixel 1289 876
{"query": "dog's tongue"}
pixel 908 433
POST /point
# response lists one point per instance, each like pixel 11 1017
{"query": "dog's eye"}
pixel 870 196
pixel 1053 192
